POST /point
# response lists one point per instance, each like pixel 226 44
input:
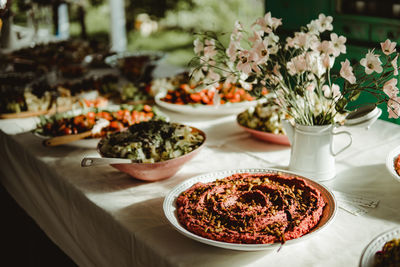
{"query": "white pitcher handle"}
pixel 345 147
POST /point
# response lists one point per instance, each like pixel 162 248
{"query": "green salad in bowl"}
pixel 264 122
pixel 152 141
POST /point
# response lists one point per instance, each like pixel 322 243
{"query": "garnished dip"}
pixel 266 117
pixel 397 164
pixel 151 141
pixel 389 255
pixel 251 208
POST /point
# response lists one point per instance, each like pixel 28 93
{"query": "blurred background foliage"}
pixel 166 25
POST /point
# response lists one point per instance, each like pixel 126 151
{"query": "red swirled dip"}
pixel 251 208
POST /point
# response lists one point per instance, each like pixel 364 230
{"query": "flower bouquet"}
pixel 299 69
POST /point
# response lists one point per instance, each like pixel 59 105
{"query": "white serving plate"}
pixel 215 110
pixel 170 212
pixel 368 255
pixel 390 162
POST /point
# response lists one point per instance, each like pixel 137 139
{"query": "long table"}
pixel 102 217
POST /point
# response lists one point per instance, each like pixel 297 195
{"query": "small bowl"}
pixel 156 171
pixel 390 160
pixel 280 139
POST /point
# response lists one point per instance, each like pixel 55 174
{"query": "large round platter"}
pixel 368 255
pixel 225 109
pixel 390 162
pixel 170 212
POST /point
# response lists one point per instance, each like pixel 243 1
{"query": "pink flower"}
pixel 327 90
pixel 198 46
pixel 347 72
pixel 268 23
pixel 388 47
pixel 327 61
pixel 212 75
pixel 237 31
pixel 393 107
pixel 209 49
pixel 310 87
pixel 259 52
pixel 326 47
pixel 244 64
pixel 371 62
pixel 338 44
pixel 231 51
pixel 335 91
pixel 394 64
pixel 390 88
pixel 290 42
pixel 256 36
pixel 297 65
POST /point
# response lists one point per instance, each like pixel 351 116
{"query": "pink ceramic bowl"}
pixel 159 170
pixel 280 139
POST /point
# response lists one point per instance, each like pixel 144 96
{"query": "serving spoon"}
pixel 60 140
pixel 93 161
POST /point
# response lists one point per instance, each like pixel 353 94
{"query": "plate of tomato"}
pixel 79 121
pixel 223 99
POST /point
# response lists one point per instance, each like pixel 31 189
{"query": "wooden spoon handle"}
pixel 60 140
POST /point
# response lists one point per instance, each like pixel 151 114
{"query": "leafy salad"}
pixel 151 141
pixel 266 117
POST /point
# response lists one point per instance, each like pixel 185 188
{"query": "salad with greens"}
pixel 266 117
pixel 151 141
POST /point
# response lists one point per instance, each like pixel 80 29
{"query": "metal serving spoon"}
pixel 93 161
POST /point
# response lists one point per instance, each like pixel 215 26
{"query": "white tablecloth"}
pixel 102 217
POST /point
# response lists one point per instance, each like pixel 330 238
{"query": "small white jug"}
pixel 312 154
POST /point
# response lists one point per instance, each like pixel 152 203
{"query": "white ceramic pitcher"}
pixel 312 154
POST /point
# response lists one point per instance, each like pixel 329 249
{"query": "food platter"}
pixel 119 116
pixel 211 110
pixel 368 255
pixel 390 162
pixel 268 137
pixel 170 211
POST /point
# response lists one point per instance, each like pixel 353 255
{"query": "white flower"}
pixel 268 23
pixel 326 47
pixel 259 52
pixel 231 51
pixel 314 27
pixel 290 42
pixel 212 76
pixel 394 64
pixel 315 64
pixel 371 62
pixel 388 47
pixel 338 44
pixel 327 61
pixel 209 49
pixel 325 23
pixel 305 40
pixel 256 37
pixel 393 107
pixel 237 31
pixel 347 72
pixel 244 64
pixel 390 88
pixel 198 46
pixel 297 65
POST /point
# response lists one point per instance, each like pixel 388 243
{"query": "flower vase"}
pixel 312 151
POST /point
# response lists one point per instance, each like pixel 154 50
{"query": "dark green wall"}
pixel 362 32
